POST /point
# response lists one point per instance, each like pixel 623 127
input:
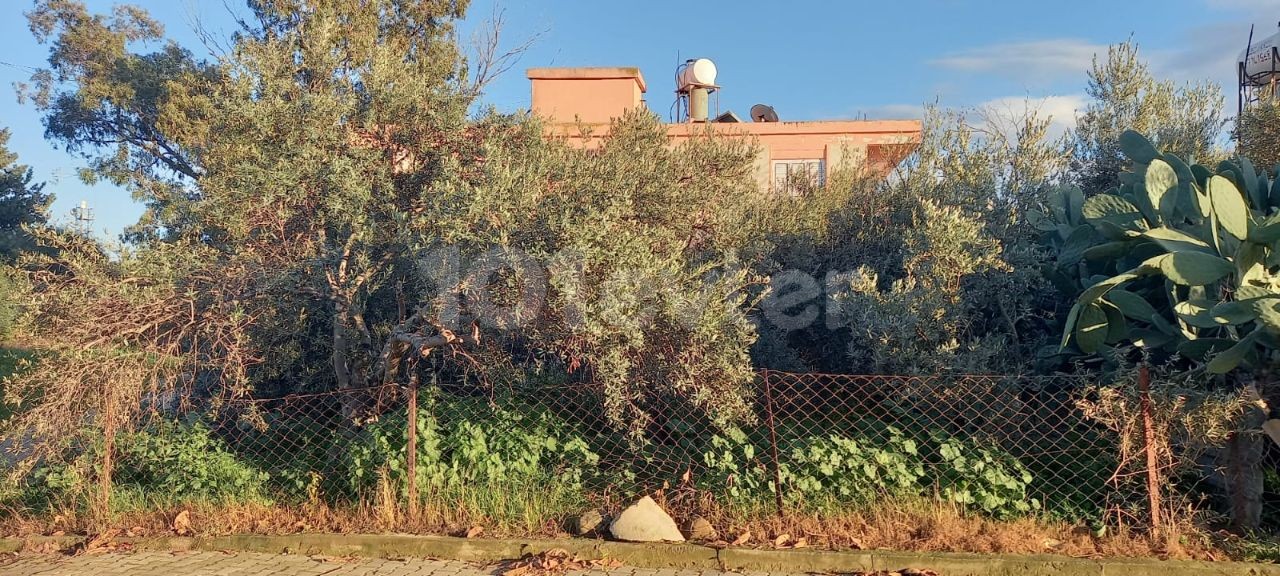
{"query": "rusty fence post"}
pixel 1149 445
pixel 773 440
pixel 411 445
pixel 108 453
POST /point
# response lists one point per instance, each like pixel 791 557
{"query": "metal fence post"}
pixel 773 440
pixel 1149 441
pixel 411 445
pixel 108 451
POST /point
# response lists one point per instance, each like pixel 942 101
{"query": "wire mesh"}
pixel 998 444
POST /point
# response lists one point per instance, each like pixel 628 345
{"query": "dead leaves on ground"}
pixel 559 561
pixel 553 561
pixel 326 559
pixel 182 523
pixel 902 572
pixel 100 543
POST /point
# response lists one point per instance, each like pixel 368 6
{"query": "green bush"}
pixel 465 444
pixel 983 477
pixel 818 471
pixel 834 471
pixel 853 470
pixel 166 464
pixel 175 462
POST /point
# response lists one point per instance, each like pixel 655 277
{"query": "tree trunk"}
pixel 1244 452
pixel 350 365
pixel 1244 479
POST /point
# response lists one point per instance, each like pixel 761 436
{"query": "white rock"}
pixel 645 521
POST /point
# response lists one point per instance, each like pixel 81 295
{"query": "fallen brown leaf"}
pixel 742 538
pixel 781 540
pixel 554 561
pixel 99 543
pixel 325 558
pixel 474 531
pixel 182 523
pixel 801 542
pixel 518 571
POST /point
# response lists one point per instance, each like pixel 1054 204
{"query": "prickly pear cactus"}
pixel 1179 258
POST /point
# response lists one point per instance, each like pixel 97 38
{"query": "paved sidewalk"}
pixel 248 563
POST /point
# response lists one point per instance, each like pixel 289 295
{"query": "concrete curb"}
pixel 669 555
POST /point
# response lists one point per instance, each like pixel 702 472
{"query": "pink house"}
pixel 570 98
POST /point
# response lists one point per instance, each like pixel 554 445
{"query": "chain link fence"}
pixel 1004 446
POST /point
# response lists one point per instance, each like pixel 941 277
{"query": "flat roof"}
pixel 588 73
pixel 806 127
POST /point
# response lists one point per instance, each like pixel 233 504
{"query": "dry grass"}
pixel 930 525
pixel 923 525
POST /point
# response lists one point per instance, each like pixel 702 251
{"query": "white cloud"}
pixel 1039 59
pixel 1059 110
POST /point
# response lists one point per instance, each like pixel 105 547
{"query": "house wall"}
pixel 588 95
pixel 570 99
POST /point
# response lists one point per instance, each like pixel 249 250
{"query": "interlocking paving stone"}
pixel 249 563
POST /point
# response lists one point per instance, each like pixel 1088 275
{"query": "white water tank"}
pixel 1261 61
pixel 697 74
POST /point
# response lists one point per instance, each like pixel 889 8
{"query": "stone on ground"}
pixel 702 530
pixel 588 523
pixel 645 521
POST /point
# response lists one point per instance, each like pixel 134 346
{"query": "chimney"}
pixel 591 95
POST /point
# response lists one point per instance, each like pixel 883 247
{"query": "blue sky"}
pixel 809 59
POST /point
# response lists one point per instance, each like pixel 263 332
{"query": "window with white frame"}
pixel 794 177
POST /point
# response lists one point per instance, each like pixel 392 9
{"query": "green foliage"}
pixel 924 273
pixel 11 295
pixel 924 321
pixel 315 164
pixel 826 473
pixel 1183 120
pixel 465 445
pixel 168 464
pixel 986 478
pixel 1258 134
pixel 851 470
pixel 22 203
pixel 174 462
pixel 1177 258
pixel 642 292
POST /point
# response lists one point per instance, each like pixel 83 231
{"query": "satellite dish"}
pixel 763 113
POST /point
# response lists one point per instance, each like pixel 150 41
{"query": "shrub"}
pixel 833 471
pixel 846 469
pixel 818 471
pixel 166 464
pixel 464 444
pixel 1258 134
pixel 987 478
pixel 184 462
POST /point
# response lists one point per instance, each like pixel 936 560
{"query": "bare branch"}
pixel 490 61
